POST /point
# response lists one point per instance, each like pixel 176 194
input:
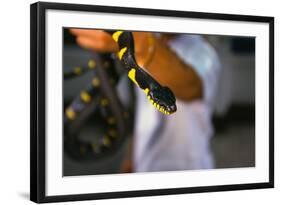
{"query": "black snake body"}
pixel 161 97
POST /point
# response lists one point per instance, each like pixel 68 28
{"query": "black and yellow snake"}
pixel 161 97
pixel 100 99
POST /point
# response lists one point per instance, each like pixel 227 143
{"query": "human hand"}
pixel 96 40
pixel 100 41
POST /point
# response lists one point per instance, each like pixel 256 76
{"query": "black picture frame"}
pixel 38 103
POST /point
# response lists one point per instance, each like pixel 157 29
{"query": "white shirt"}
pixel 179 141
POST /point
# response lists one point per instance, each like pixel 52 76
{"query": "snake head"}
pixel 163 99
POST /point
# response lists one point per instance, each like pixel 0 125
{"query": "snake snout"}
pixel 172 108
pixel 169 100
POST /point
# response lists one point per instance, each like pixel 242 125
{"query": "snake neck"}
pixel 126 55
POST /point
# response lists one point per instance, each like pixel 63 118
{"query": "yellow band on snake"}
pixel 85 96
pixel 70 113
pixel 116 35
pixel 77 70
pixel 121 52
pixel 132 75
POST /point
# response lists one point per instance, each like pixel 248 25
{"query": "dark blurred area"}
pixel 234 118
pixel 233 144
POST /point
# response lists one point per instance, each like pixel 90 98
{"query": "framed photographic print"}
pixel 129 102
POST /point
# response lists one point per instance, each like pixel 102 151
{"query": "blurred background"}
pixel 233 143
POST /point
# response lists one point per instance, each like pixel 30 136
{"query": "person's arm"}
pixel 168 69
pixel 165 66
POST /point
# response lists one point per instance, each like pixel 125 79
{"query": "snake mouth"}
pixel 165 109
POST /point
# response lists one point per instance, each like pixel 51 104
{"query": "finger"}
pixel 99 46
pixel 88 43
pixel 91 33
pixel 99 35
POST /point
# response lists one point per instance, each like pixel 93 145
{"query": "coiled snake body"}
pixel 101 97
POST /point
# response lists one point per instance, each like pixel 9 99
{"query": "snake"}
pixel 79 70
pixel 161 97
pixel 94 100
pixel 113 119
